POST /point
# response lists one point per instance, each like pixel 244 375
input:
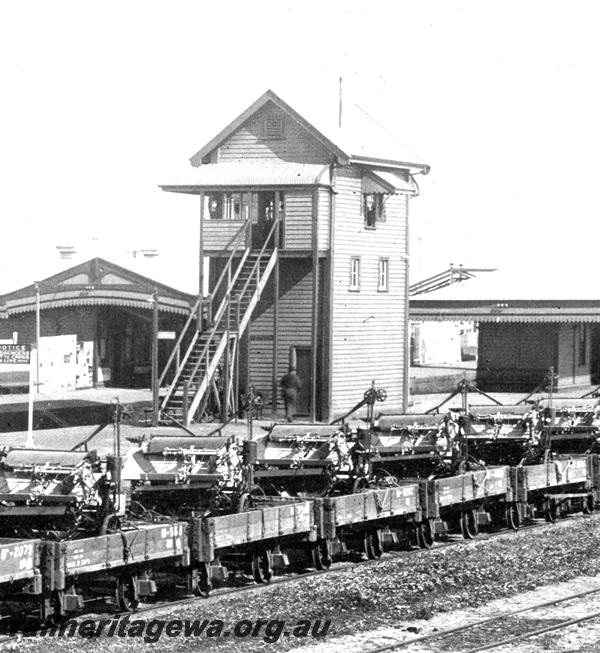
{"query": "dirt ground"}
pixel 583 637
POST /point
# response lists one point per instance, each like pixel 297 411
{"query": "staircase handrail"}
pixel 182 363
pixel 171 358
pixel 234 243
pixel 236 274
pixel 207 344
pixel 258 259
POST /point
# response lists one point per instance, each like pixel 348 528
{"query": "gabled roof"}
pixel 346 145
pixel 93 283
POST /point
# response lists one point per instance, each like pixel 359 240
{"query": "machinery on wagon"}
pixel 302 460
pixel 503 435
pixel 573 423
pixel 188 475
pixel 66 493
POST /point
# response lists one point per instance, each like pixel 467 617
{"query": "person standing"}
pixel 290 386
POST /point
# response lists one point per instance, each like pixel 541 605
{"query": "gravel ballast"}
pixel 377 595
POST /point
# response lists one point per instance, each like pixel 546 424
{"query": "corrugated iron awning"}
pixel 93 298
pixel 395 180
pixel 465 316
pixel 245 175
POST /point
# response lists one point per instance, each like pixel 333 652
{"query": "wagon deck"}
pixel 213 535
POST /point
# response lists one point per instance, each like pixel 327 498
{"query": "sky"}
pixel 103 101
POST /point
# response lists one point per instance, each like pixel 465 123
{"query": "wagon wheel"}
pixel 200 580
pixel 262 572
pixel 550 511
pixel 372 543
pixel 425 534
pixel 320 555
pixel 468 524
pixel 126 592
pixel 513 516
pixel 588 505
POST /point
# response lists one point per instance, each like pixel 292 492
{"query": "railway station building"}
pixel 525 327
pixel 305 232
pixel 95 325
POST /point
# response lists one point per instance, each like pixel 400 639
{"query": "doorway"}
pixel 301 359
pixel 263 221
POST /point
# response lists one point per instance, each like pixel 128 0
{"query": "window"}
pixel 383 275
pixel 273 127
pixel 373 209
pixel 228 206
pixel 354 274
pixel 582 344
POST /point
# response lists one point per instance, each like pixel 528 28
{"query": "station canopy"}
pixel 96 282
pixel 555 293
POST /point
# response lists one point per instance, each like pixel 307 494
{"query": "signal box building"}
pixel 306 234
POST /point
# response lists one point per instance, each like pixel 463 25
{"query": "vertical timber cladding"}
pixel 574 364
pixel 515 355
pixel 295 321
pixel 368 328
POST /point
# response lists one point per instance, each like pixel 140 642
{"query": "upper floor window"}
pixel 273 127
pixel 228 206
pixel 354 273
pixel 373 209
pixel 383 273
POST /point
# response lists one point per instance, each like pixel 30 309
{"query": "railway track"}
pixel 292 577
pixel 477 628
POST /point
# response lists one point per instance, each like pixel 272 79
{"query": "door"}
pixel 263 220
pixel 301 358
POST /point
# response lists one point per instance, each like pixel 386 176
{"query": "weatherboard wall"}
pixel 250 142
pixel 295 326
pixel 367 326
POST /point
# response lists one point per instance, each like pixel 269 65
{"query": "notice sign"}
pixel 15 354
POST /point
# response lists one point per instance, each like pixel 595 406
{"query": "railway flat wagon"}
pixel 122 563
pixel 366 521
pixel 551 488
pixel 252 541
pixel 20 568
pixel 466 501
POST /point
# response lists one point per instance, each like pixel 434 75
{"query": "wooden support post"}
pixel 155 389
pixel 201 264
pixel 315 307
pixel 227 365
pixel 406 362
pixel 276 236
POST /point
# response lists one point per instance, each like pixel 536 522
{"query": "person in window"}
pixel 290 386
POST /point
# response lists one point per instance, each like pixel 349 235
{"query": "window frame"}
pixel 383 266
pixel 354 275
pixel 378 208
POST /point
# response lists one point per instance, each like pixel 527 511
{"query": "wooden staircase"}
pixel 207 368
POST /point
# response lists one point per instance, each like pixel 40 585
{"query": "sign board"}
pixel 166 335
pixel 15 354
